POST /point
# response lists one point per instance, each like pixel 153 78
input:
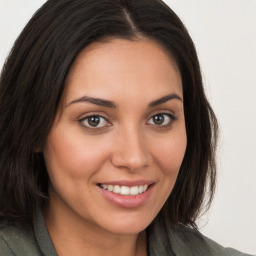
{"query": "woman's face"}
pixel 114 151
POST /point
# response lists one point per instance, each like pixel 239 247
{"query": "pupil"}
pixel 94 121
pixel 158 119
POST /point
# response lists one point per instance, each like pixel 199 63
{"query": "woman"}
pixel 107 139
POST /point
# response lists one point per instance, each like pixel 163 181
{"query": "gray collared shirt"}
pixel 162 241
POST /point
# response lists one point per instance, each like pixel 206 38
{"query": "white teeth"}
pixel 141 188
pixel 110 187
pixel 117 189
pixel 125 190
pixel 134 191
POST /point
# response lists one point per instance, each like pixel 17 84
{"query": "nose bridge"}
pixel 131 151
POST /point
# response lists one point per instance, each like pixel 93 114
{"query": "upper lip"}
pixel 128 183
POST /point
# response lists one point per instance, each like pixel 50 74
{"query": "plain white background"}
pixel 224 32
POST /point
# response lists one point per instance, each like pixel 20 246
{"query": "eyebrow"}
pixel 111 104
pixel 95 101
pixel 165 99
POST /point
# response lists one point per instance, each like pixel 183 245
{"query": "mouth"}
pixel 127 193
pixel 125 190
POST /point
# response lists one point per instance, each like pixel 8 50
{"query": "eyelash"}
pixel 84 121
pixel 172 118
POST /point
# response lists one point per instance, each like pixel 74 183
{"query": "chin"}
pixel 127 226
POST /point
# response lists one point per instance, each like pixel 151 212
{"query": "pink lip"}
pixel 127 201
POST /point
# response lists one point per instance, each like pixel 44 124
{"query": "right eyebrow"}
pixel 95 101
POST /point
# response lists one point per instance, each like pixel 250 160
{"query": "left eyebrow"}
pixel 164 99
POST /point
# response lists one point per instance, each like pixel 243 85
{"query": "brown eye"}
pixel 94 121
pixel 161 119
pixel 158 119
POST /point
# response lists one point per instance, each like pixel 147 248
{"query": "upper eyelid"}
pixel 89 114
pixel 159 112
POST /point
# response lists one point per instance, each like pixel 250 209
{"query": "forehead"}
pixel 120 65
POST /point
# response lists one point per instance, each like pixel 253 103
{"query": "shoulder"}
pixel 195 242
pixel 18 242
pixel 185 241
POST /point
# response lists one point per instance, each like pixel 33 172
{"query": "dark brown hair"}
pixel 32 82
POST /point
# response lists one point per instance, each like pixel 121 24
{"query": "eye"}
pixel 94 121
pixel 162 119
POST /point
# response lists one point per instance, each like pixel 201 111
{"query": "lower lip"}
pixel 127 201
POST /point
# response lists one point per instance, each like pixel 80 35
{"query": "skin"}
pixel 127 144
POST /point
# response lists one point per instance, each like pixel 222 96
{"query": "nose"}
pixel 131 151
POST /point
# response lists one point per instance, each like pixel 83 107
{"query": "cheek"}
pixel 73 154
pixel 169 153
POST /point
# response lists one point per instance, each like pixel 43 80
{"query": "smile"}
pixel 125 190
